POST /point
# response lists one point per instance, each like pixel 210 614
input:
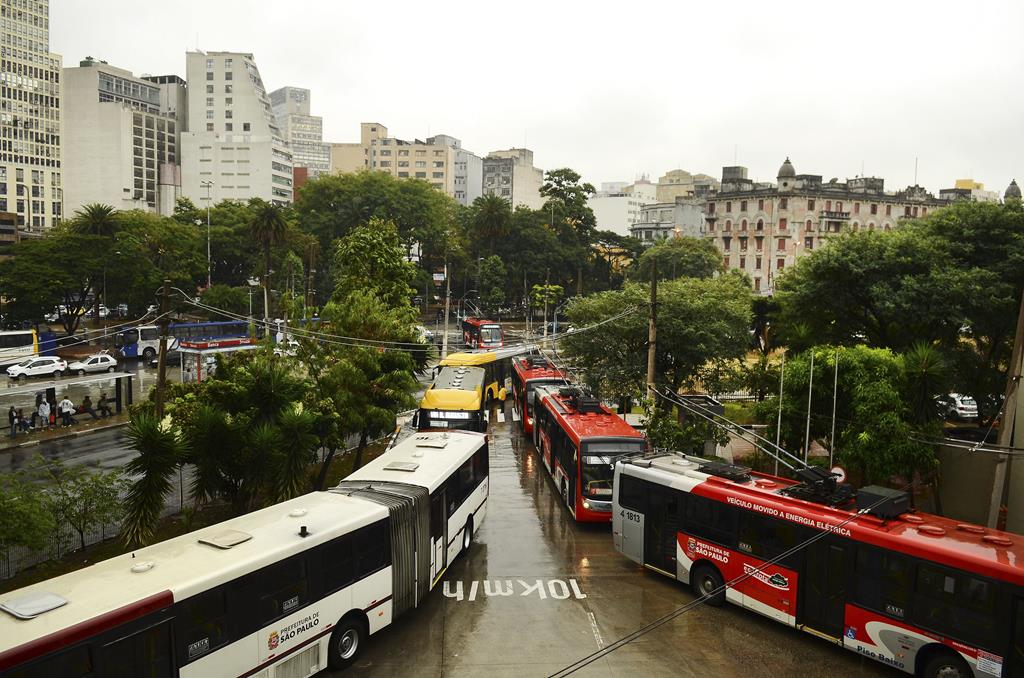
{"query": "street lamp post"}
pixel 207 185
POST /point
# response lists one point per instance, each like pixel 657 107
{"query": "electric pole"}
pixel 161 365
pixel 652 331
pixel 1006 422
pixel 447 308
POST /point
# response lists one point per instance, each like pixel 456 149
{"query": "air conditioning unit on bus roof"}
pixel 883 502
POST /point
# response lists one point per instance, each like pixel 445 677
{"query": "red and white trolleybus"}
pixel 529 372
pixel 482 333
pixel 922 593
pixel 579 440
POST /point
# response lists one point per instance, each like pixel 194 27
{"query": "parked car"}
pixel 288 348
pixel 100 362
pixel 959 407
pixel 38 367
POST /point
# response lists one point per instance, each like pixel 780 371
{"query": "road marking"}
pixel 596 631
pixel 555 589
pixel 501 417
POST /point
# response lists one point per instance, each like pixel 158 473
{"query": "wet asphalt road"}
pixel 529 546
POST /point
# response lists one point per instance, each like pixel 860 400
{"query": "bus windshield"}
pixel 598 466
pixel 449 419
pixel 490 334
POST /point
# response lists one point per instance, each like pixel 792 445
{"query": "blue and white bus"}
pixel 144 341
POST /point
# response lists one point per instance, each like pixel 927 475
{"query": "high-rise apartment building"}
pixel 467 172
pixel 425 160
pixel 30 116
pixel 121 147
pixel 617 206
pixel 232 148
pixel 303 132
pixel 510 174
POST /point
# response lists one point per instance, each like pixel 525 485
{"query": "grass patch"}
pixel 741 412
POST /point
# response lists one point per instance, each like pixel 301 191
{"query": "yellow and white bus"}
pixel 285 591
pixel 17 345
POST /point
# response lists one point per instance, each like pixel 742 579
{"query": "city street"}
pixel 538 592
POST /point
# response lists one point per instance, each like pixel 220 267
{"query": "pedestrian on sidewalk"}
pixel 12 417
pixel 88 408
pixel 44 413
pixel 67 411
pixel 104 407
pixel 23 423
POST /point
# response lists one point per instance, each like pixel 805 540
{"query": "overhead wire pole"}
pixel 807 431
pixel 1013 375
pixel 835 396
pixel 778 423
pixel 652 331
pixel 161 365
pixel 447 308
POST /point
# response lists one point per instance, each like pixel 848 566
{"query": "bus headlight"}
pixel 586 504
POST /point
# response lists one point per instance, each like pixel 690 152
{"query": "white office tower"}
pixel 303 132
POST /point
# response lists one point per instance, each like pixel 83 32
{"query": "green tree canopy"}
pixel 371 258
pixel 679 257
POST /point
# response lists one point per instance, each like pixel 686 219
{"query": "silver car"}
pixel 100 362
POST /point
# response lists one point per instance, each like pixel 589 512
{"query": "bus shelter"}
pixel 25 395
pixel 199 358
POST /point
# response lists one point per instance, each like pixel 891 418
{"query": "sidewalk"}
pixel 57 433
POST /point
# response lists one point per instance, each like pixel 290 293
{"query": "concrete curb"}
pixel 72 434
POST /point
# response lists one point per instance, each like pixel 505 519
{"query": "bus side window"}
pixel 632 493
pixel 146 653
pixel 150 334
pixel 282 589
pixel 711 520
pixel 883 581
pixel 202 624
pixel 73 663
pixel 480 465
pixel 337 564
pixel 372 549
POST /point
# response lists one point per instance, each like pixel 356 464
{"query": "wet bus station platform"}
pixel 539 592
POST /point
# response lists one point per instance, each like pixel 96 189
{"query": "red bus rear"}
pixel 528 373
pixel 922 593
pixel 482 333
pixel 579 441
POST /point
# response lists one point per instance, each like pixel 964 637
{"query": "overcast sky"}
pixel 620 89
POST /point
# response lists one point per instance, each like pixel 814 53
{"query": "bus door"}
pixel 823 588
pixel 438 533
pixel 662 524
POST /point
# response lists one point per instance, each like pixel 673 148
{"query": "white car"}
pixel 289 348
pixel 101 362
pixel 960 407
pixel 38 367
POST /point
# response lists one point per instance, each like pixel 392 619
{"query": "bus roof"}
pixel 425 459
pixel 593 420
pixel 455 388
pixel 485 357
pixel 987 552
pixel 181 567
pixel 473 320
pixel 533 367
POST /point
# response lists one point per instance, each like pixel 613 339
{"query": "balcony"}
pixel 828 215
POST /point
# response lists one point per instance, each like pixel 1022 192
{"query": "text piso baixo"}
pixel 553 588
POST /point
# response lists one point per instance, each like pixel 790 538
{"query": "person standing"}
pixel 12 418
pixel 67 408
pixel 44 413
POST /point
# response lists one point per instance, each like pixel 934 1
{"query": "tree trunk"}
pixel 321 477
pixel 81 537
pixel 579 280
pixel 358 461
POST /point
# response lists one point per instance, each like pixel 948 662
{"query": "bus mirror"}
pixel 502 394
pixel 416 420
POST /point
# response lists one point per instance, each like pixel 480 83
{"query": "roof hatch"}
pixel 32 604
pixel 226 539
pixel 407 466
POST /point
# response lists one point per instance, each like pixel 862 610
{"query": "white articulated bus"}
pixel 283 592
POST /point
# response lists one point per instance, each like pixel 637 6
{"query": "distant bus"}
pixel 481 333
pixel 495 365
pixel 16 345
pixel 529 372
pixel 285 591
pixel 579 440
pixel 454 400
pixel 144 341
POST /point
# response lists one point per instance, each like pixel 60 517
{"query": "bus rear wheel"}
pixel 945 664
pixel 707 581
pixel 148 353
pixel 467 535
pixel 347 641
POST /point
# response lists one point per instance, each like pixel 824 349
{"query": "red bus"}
pixel 481 333
pixel 528 373
pixel 919 592
pixel 579 441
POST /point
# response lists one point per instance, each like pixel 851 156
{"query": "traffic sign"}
pixel 839 473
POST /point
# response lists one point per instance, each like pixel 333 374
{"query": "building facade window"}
pixel 888 210
pixel 780 264
pixel 209 75
pixel 783 203
pixel 229 76
pixel 809 242
pixel 743 206
pixel 874 208
pixel 760 204
pixel 743 225
pixel 856 208
pixel 810 203
pixel 728 206
pixel 781 244
pixel 728 225
pixel 782 224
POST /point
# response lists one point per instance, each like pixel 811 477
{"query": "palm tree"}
pixel 95 219
pixel 161 451
pixel 267 227
pixel 492 216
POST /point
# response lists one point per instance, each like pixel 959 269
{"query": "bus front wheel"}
pixel 347 641
pixel 707 583
pixel 946 664
pixel 467 535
